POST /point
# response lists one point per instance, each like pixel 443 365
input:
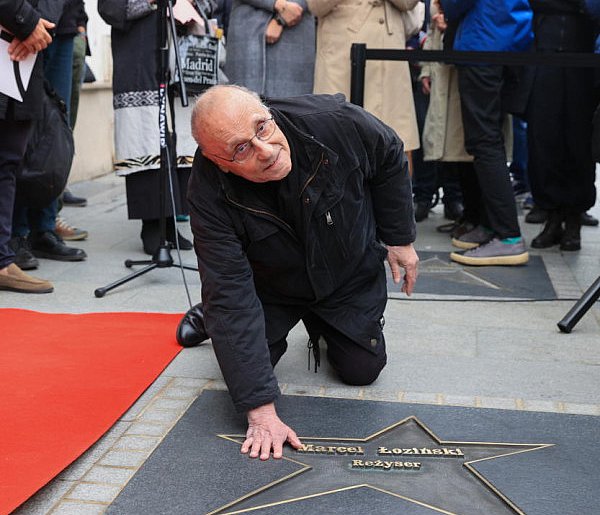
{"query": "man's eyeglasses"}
pixel 264 130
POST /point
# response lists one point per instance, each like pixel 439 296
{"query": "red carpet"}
pixel 64 381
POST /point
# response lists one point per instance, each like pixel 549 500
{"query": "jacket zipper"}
pixel 261 212
pixel 309 180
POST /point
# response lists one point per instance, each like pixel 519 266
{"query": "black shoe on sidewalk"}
pixel 48 245
pixel 537 215
pixel 24 259
pixel 422 208
pixel 453 210
pixel 71 200
pixel 589 220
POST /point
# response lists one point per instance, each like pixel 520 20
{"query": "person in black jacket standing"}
pixel 29 34
pixel 290 205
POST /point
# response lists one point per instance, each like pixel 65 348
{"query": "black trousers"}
pixel 354 364
pixel 561 169
pixel 481 104
pixel 13 142
pixel 143 194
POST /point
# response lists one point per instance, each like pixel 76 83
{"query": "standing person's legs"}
pixel 424 173
pixel 499 242
pixel 79 46
pixel 58 70
pixel 12 149
pixel 58 67
pixel 480 92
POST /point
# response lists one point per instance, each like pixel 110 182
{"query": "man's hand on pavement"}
pixel 266 431
pixel 403 256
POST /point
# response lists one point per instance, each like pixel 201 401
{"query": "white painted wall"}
pixel 99 40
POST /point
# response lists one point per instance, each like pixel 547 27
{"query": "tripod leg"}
pixel 100 292
pixel 580 308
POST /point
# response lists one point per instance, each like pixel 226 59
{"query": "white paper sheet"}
pixel 8 71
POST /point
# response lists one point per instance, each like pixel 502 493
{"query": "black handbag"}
pixel 43 174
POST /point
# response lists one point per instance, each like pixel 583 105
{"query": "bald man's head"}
pixel 236 131
pixel 220 103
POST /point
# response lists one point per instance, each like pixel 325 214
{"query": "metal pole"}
pixel 580 308
pixel 358 58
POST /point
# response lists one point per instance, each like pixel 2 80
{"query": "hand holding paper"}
pixel 38 40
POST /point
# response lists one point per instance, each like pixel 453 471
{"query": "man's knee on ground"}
pixel 361 373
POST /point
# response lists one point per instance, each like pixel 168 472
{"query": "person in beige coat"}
pixel 378 24
pixel 443 136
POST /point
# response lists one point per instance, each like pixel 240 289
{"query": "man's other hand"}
pixel 403 257
pixel 266 431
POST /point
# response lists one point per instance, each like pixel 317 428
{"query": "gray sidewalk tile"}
pixel 93 492
pixel 108 475
pixel 78 508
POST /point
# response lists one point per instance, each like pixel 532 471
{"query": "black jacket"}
pixel 261 273
pixel 562 26
pixel 20 17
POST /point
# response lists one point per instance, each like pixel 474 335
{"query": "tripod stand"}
pixel 580 308
pixel 162 257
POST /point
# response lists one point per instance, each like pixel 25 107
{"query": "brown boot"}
pixel 19 281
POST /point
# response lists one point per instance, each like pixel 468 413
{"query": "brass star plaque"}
pixel 405 461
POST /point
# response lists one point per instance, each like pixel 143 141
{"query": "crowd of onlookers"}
pixel 484 134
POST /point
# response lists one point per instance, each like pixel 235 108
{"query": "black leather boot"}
pixel 571 239
pixel 191 331
pixel 552 232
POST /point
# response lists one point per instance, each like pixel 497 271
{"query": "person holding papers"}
pixel 23 33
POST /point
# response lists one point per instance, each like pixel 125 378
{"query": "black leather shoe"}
pixel 453 210
pixel 536 215
pixel 72 200
pixel 24 259
pixel 49 245
pixel 422 208
pixel 552 233
pixel 589 220
pixel 190 331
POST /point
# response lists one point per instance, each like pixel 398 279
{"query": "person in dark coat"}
pixel 29 34
pixel 559 131
pixel 294 208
